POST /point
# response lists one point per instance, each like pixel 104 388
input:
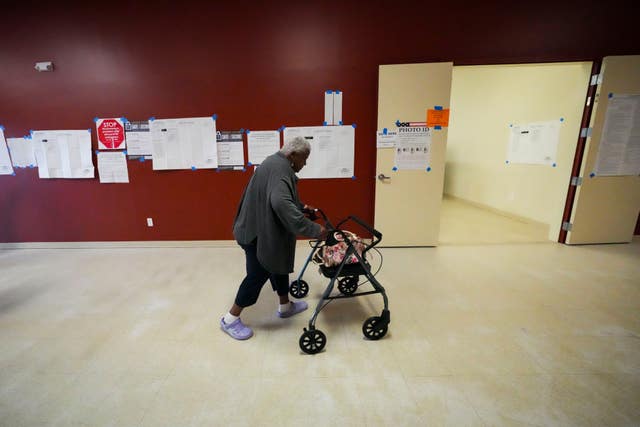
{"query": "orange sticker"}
pixel 438 118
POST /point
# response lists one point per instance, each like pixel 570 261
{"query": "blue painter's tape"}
pixel 554 165
pixel 562 119
pixel 353 177
pixel 247 131
pixel 214 117
pixel 283 127
pixel 193 168
pixel 141 159
pixel 324 123
pixel 244 169
pixel 95 120
pixel 151 119
pixel 31 166
pixel 123 119
pixel 27 137
pixel 438 107
pixel 428 168
pixel 592 174
pixel 384 131
pixel 610 95
pixel 2 128
pixel 249 164
pixel 437 127
pixel 395 168
pixel 124 152
pixel 89 130
pixel 340 122
pixel 14 173
pixel 352 124
pixel 241 130
pixel 31 132
pixel 97 152
pixel 329 92
pixel 338 92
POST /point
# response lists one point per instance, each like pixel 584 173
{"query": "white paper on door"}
pixel 413 148
pixel 619 150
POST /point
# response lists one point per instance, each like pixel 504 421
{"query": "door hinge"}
pixel 596 79
pixel 567 226
pixel 576 180
pixel 585 132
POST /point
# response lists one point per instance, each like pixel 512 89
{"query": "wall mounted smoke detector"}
pixel 44 66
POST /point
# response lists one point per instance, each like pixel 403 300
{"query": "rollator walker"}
pixel 347 274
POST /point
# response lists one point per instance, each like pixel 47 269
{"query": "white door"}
pixel 407 206
pixel 605 208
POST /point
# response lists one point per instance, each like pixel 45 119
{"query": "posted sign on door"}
pixel 110 134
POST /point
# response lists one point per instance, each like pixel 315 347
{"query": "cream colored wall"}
pixel 484 101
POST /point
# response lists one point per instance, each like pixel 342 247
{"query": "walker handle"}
pixel 367 227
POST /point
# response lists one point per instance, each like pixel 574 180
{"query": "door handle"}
pixel 382 177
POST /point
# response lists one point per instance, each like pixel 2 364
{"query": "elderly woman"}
pixel 268 220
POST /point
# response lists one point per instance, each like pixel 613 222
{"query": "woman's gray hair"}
pixel 296 145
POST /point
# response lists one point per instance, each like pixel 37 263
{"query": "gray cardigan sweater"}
pixel 270 211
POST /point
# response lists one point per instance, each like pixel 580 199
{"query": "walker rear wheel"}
pixel 373 328
pixel 299 289
pixel 312 342
pixel 348 284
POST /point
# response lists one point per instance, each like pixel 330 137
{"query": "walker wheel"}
pixel 348 284
pixel 373 328
pixel 312 342
pixel 299 289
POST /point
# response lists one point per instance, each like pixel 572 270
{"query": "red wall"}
pixel 257 66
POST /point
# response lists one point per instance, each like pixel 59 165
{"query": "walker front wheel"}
pixel 374 328
pixel 299 289
pixel 312 342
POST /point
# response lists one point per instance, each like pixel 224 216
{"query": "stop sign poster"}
pixel 110 134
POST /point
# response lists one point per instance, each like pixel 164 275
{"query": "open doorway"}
pixel 487 198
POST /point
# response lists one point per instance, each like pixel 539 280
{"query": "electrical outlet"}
pixel 149 222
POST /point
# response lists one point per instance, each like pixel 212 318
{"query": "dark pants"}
pixel 256 277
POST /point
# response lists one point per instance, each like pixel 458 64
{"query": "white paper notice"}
pixel 337 108
pixel 386 139
pixel 22 154
pixel 328 107
pixel 332 150
pixel 184 143
pixel 413 148
pixel 138 138
pixel 112 167
pixel 534 143
pixel 230 149
pixel 262 143
pixel 63 153
pixel 5 161
pixel 619 151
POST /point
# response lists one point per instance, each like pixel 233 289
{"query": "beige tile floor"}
pixel 481 334
pixel 463 223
